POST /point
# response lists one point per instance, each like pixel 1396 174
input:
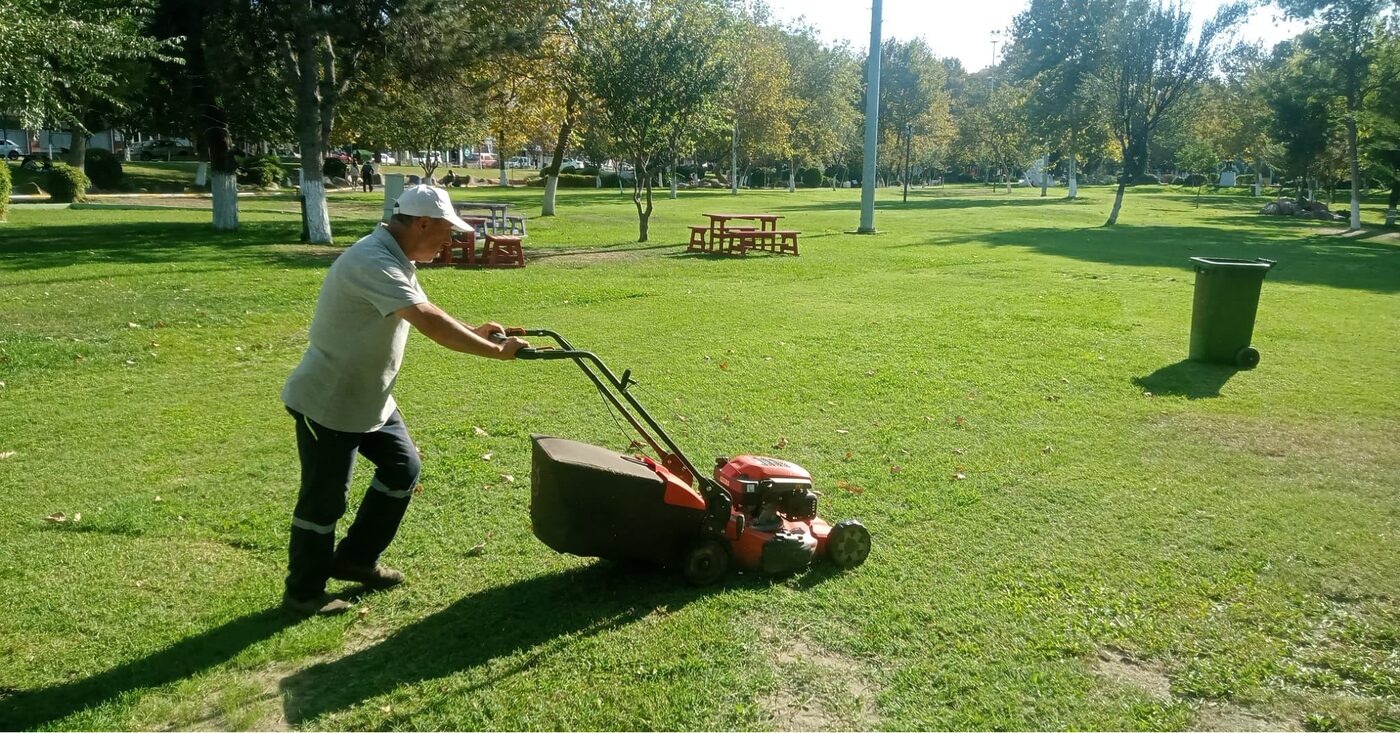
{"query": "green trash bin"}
pixel 1222 315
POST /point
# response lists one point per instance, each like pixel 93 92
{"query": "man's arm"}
pixel 437 325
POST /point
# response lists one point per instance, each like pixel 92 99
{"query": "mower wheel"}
pixel 706 562
pixel 848 544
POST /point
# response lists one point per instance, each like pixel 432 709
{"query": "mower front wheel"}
pixel 848 544
pixel 706 563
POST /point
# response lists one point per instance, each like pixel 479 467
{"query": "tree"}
pixel 1345 40
pixel 1060 46
pixel 409 114
pixel 824 87
pixel 913 99
pixel 759 97
pixel 1304 114
pixel 649 64
pixel 1381 131
pixel 1153 65
pixel 64 59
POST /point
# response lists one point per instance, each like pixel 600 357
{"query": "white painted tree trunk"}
pixel 225 190
pixel 792 175
pixel 1044 174
pixel 734 161
pixel 318 220
pixel 673 178
pixel 551 184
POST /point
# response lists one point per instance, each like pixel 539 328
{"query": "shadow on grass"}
pixel 31 709
pixel 534 618
pixel 1191 379
pixel 935 201
pixel 1304 256
pixel 160 242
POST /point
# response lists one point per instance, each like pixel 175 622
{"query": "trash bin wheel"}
pixel 1247 358
pixel 848 544
pixel 706 562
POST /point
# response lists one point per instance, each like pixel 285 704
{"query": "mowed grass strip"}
pixel 1074 528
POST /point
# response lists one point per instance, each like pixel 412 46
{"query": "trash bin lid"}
pixel 1208 263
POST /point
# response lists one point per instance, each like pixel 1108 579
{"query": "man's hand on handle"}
pixel 488 339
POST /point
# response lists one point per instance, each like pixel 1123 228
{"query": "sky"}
pixel 963 28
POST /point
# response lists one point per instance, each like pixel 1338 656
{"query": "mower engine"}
pixel 774 525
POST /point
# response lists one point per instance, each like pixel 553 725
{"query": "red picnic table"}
pixel 721 236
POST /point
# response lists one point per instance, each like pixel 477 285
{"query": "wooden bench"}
pixel 741 240
pixel 501 250
pixel 698 241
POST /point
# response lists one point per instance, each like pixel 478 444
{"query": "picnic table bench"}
pixel 720 236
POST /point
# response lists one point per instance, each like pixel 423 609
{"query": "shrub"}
pixel 4 189
pixel 1244 179
pixel 1193 180
pixel 567 180
pixel 759 177
pixel 837 171
pixel 104 169
pixel 610 180
pixel 828 182
pixel 811 177
pixel 683 172
pixel 1143 179
pixel 260 171
pixel 335 168
pixel 66 184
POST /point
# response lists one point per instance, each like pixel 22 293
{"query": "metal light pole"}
pixel 908 147
pixel 872 125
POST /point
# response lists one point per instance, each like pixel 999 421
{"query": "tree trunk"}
pixel 309 133
pixel 1258 178
pixel 734 161
pixel 551 184
pixel 1355 174
pixel 225 190
pixel 77 147
pixel 643 214
pixel 792 175
pixel 1044 175
pixel 1117 203
pixel 1073 163
pixel 674 161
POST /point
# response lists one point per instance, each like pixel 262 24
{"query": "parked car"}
pixel 164 150
pixel 388 159
pixel 572 165
pixel 10 149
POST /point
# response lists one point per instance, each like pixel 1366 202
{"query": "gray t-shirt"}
pixel 345 380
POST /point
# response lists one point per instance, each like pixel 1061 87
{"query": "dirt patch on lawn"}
pixel 1231 717
pixel 1121 668
pixel 817 689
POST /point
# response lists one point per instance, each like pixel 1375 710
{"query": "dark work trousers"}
pixel 327 465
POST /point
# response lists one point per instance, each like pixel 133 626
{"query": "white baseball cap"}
pixel 431 202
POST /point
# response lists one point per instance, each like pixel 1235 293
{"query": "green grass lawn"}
pixel 1074 527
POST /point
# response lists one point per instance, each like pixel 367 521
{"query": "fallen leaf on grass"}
pixel 849 487
pixel 724 365
pixel 1052 398
pixel 1148 394
pixel 77 516
pixel 960 421
pixel 870 372
pixel 418 489
pixel 896 469
pixel 1047 450
pixel 479 432
pixel 842 432
pixel 129 324
pixel 58 518
pixel 960 451
pixel 848 455
pixel 157 498
pixel 959 476
pixel 507 478
pixel 364 611
pixel 487 456
pixel 476 550
pixel 782 442
pixel 635 445
pixel 681 418
pixel 7 454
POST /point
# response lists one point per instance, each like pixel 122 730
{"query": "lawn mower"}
pixel 755 512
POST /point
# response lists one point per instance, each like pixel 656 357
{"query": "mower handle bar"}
pixel 583 358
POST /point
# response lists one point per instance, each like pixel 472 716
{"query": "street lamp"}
pixel 996 38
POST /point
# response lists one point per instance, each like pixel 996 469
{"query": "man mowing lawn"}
pixel 341 395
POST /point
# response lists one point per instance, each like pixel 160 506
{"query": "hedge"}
pixel 104 168
pixel 66 184
pixel 4 189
